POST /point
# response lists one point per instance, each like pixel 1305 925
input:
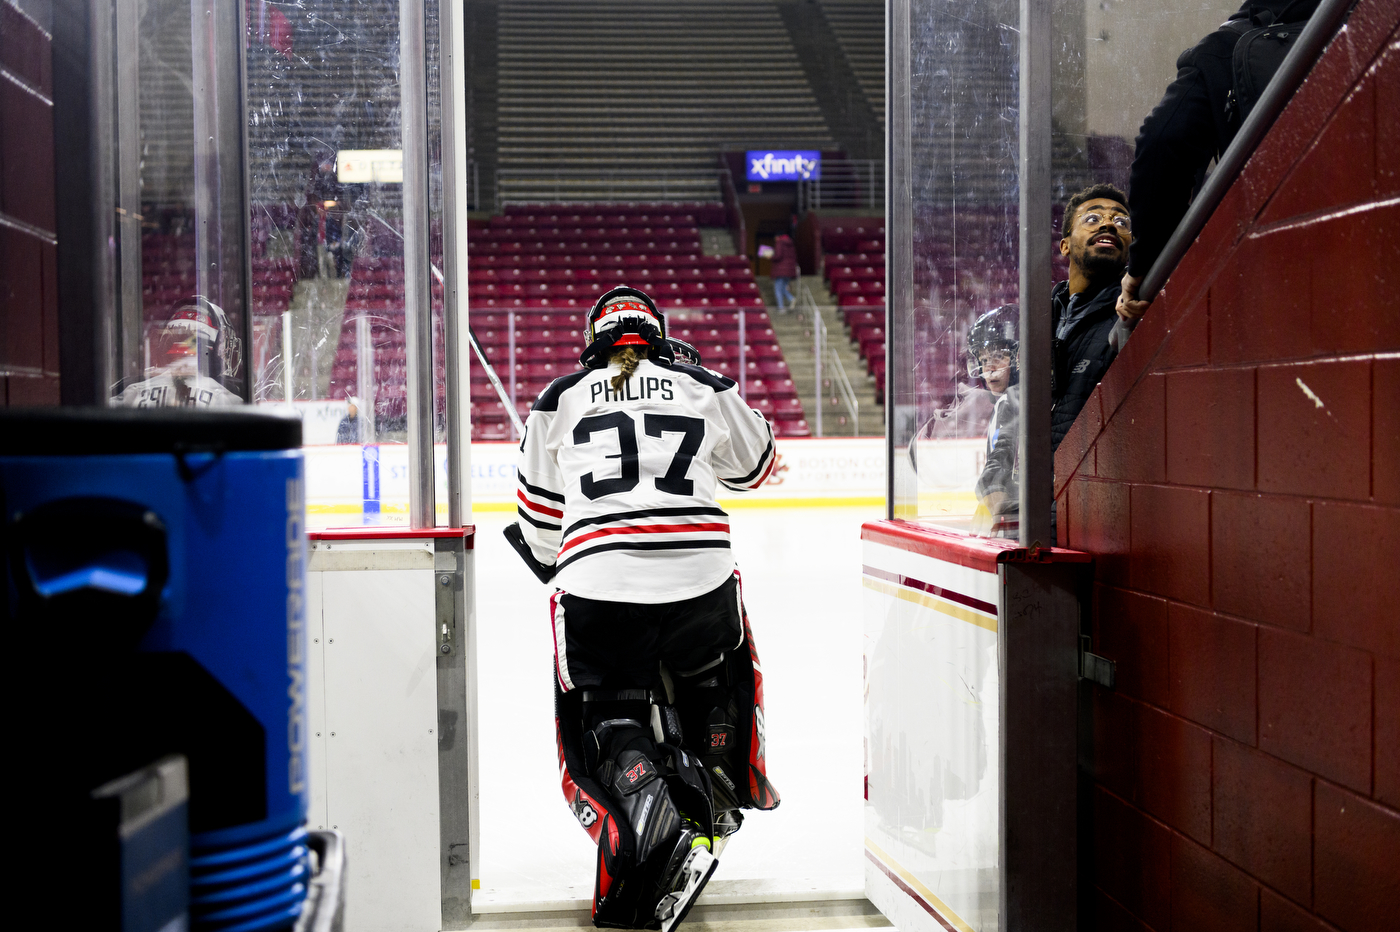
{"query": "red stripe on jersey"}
pixel 540 508
pixel 764 477
pixel 644 529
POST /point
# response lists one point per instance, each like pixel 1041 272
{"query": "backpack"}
pixel 1260 49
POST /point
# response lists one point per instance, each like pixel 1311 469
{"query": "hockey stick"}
pixel 476 344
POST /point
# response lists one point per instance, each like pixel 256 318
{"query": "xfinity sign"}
pixel 784 165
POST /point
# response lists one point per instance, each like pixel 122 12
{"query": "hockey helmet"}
pixel 623 317
pixel 682 351
pixel 994 331
pixel 197 335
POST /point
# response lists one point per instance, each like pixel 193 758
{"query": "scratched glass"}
pixel 167 83
pixel 953 259
pixel 326 213
pixel 954 375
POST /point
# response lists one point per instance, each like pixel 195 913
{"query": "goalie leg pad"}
pixel 721 710
pixel 645 803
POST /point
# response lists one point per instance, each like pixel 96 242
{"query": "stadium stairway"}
pixel 859 27
pixel 793 331
pixel 849 110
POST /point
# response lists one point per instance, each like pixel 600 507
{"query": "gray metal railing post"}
pixel 457 189
pixel 128 328
pixel 418 314
pixel 364 377
pixel 817 344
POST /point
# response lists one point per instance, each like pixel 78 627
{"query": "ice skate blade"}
pixel 697 870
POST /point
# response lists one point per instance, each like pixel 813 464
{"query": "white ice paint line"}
pixel 1311 394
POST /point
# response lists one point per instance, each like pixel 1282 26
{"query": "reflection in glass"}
pixel 327 218
pixel 961 138
pixel 178 332
pixel 957 148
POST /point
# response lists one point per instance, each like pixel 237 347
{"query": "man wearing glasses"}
pixel 1095 236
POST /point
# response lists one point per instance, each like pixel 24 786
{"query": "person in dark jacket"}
pixel 1192 124
pixel 784 270
pixel 1096 236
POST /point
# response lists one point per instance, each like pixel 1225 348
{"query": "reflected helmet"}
pixel 995 330
pixel 682 351
pixel 198 329
pixel 623 317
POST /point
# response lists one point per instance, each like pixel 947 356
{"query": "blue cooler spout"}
pixel 156 566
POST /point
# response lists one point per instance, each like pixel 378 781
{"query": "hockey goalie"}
pixel 658 689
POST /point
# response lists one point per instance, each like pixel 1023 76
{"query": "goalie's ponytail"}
pixel 628 358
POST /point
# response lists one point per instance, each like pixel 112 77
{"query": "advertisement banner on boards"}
pixel 351 483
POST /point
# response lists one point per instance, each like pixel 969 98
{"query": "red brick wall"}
pixel 28 281
pixel 1238 475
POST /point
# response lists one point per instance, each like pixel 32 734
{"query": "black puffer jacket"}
pixel 1078 362
pixel 1186 130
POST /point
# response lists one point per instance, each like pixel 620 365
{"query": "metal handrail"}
pixel 1295 67
pixel 843 386
pixel 844 183
pixel 823 351
pixel 731 204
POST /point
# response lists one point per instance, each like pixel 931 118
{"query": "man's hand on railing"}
pixel 1129 307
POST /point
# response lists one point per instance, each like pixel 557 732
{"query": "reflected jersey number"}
pixel 692 430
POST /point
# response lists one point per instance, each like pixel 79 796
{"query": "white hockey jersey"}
pixel 168 390
pixel 617 489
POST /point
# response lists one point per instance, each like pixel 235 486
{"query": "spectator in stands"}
pixel 1095 235
pixel 1195 122
pixel 348 430
pixel 784 270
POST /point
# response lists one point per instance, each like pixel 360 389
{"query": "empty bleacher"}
pixel 631 101
pixel 854 269
pixel 859 27
pixel 534 273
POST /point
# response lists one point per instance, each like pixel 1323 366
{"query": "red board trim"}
pixel 942 593
pixel 394 533
pixel 978 553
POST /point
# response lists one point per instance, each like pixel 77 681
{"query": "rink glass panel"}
pixel 327 221
pixel 168 86
pixel 953 242
pixel 953 209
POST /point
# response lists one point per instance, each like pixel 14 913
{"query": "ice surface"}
pixel 801 573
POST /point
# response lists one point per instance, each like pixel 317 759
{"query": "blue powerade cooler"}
pixel 158 560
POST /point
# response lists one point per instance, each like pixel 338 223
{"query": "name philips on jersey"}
pixel 648 388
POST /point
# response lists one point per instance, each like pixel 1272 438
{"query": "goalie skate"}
pixel 694 874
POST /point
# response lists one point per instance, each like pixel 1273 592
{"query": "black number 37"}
pixel 692 430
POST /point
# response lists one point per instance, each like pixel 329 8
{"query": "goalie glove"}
pixel 517 540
